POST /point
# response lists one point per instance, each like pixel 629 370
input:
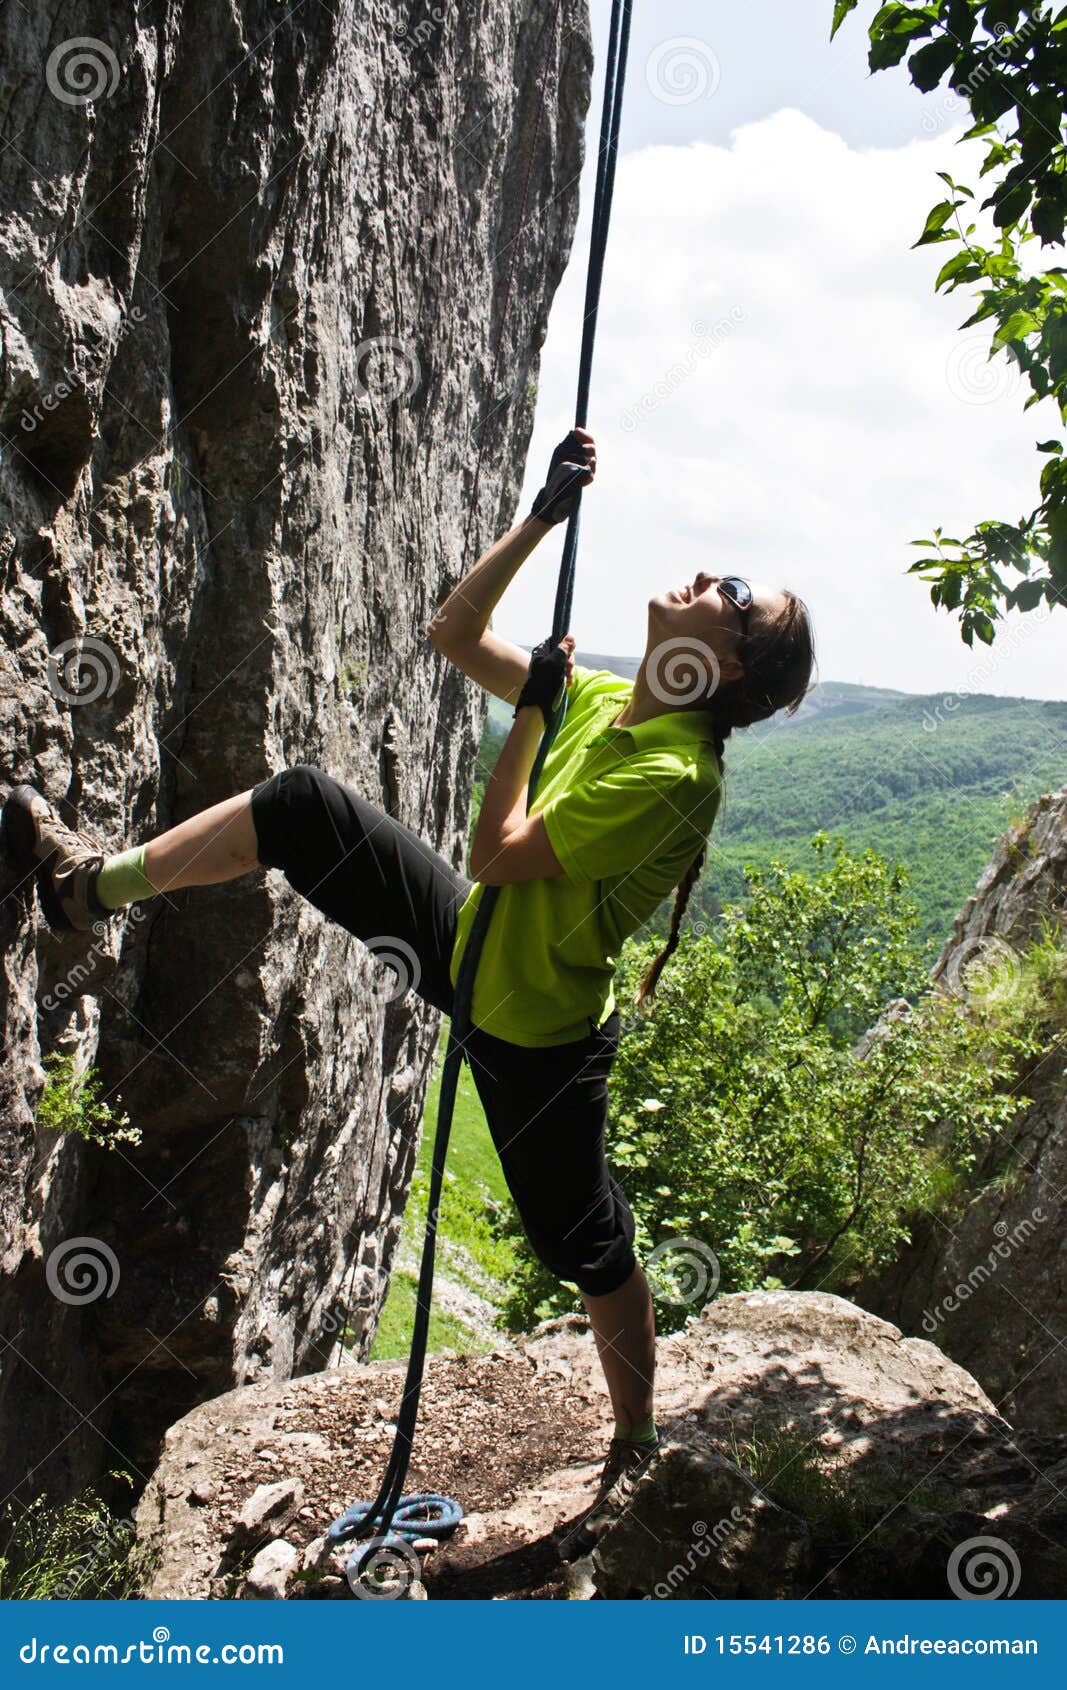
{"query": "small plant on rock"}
pixel 71 1103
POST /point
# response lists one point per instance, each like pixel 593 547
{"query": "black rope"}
pixel 377 1517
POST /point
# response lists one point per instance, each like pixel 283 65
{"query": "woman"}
pixel 627 796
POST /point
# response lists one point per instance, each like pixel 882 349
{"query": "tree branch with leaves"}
pixel 1009 63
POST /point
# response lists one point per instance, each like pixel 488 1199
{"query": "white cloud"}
pixel 778 389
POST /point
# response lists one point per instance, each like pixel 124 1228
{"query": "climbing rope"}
pixel 392 1520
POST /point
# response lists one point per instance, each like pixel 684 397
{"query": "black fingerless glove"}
pixel 547 680
pixel 567 472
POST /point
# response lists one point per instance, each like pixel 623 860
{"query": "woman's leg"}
pixel 359 866
pixel 363 869
pixel 80 884
pixel 546 1110
pixel 215 845
pixel 624 1326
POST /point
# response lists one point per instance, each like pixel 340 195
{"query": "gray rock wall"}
pixel 249 292
pixel 987 1281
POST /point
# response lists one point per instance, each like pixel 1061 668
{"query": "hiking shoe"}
pixel 622 1457
pixel 63 863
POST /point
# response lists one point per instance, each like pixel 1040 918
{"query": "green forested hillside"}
pixel 930 781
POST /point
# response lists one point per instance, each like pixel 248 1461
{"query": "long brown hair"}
pixel 779 657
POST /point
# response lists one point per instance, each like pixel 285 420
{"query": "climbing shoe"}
pixel 63 863
pixel 623 1457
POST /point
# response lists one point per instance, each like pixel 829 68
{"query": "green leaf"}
pixel 1004 13
pixel 961 266
pixel 886 51
pixel 985 310
pixel 1050 446
pixel 935 222
pixel 991 99
pixel 1047 221
pixel 928 65
pixel 1027 595
pixel 1018 325
pixel 1010 207
pixel 841 10
pixel 997 154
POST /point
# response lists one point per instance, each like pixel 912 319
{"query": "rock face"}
pixel 988 1281
pixel 809 1449
pixel 253 268
pixel 878 1465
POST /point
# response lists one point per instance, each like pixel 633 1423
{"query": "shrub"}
pixel 71 1103
pixel 80 1549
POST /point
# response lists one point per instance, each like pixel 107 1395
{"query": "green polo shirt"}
pixel 626 810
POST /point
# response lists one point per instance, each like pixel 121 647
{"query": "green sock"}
pixel 637 1431
pixel 122 879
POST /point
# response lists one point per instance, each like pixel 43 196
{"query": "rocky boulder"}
pixel 809 1450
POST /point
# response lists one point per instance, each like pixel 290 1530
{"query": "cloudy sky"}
pixel 778 392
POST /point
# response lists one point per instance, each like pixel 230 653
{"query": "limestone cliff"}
pixel 987 1280
pixel 253 263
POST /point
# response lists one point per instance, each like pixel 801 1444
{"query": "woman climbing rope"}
pixel 627 796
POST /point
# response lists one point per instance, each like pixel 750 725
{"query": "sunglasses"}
pixel 739 594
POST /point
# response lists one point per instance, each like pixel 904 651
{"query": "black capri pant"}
pixel 546 1107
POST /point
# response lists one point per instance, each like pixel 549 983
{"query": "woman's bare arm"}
pixel 460 628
